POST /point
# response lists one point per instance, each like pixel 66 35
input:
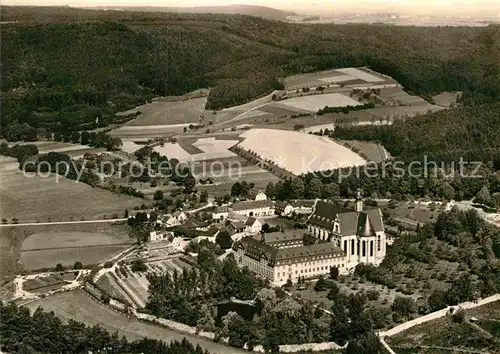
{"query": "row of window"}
pixel 308 270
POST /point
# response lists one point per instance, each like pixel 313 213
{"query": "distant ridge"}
pixel 251 10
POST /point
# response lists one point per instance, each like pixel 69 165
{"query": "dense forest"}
pixel 43 332
pixel 67 69
pixel 471 132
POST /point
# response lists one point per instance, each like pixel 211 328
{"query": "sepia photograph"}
pixel 238 176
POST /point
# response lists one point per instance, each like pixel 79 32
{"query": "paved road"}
pixel 63 222
pixel 79 306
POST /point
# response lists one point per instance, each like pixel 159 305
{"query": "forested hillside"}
pixel 471 132
pixel 62 68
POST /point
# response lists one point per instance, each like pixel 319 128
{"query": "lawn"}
pixel 32 198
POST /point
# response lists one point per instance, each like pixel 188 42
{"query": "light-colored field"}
pixel 347 76
pixel 37 198
pixel 316 102
pixel 48 258
pixel 51 239
pixel 78 306
pixel 360 74
pixel 89 244
pixel 211 148
pixel 162 113
pixel 130 147
pixel 298 152
pixel 339 78
pixel 147 131
pixel 446 99
pixel 73 150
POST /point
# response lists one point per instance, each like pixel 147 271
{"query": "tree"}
pixel 403 306
pixel 189 183
pixel 203 196
pixel 223 239
pixel 483 196
pixel 270 190
pixel 158 195
pixel 125 215
pixel 314 188
pixel 59 267
pixel 236 189
pixel 330 190
pixel 138 266
pixel 297 187
pixel 321 285
pixel 333 292
pixel 78 265
pixel 366 344
pixel 334 273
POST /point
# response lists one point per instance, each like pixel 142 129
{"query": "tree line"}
pixel 43 332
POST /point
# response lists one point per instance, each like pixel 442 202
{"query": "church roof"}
pixel 364 223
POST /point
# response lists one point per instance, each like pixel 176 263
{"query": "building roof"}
pixel 238 224
pixel 250 221
pixel 364 223
pixel 258 249
pixel 252 205
pixel 303 203
pixel 279 237
pixel 222 209
pixel 281 205
pixel 252 193
pixel 316 249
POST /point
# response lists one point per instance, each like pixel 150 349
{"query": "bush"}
pixel 458 316
pixel 108 264
pixel 372 295
pixel 78 265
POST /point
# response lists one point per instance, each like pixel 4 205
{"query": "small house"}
pixel 252 225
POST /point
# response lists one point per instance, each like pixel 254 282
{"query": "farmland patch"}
pixel 316 102
pixel 167 113
pixel 298 152
pixel 359 74
pixel 54 198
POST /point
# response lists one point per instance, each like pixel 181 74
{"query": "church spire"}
pixel 358 207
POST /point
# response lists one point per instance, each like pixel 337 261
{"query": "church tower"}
pixel 358 206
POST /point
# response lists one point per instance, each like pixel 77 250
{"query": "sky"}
pixel 441 7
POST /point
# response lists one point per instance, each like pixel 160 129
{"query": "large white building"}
pixel 335 238
pixel 254 208
pixel 280 256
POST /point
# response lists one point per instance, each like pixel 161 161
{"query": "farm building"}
pixel 283 208
pixel 174 219
pixel 256 195
pixel 254 208
pixel 235 227
pixel 303 206
pixel 159 235
pixel 252 225
pixel 279 257
pixel 221 213
pixel 360 234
